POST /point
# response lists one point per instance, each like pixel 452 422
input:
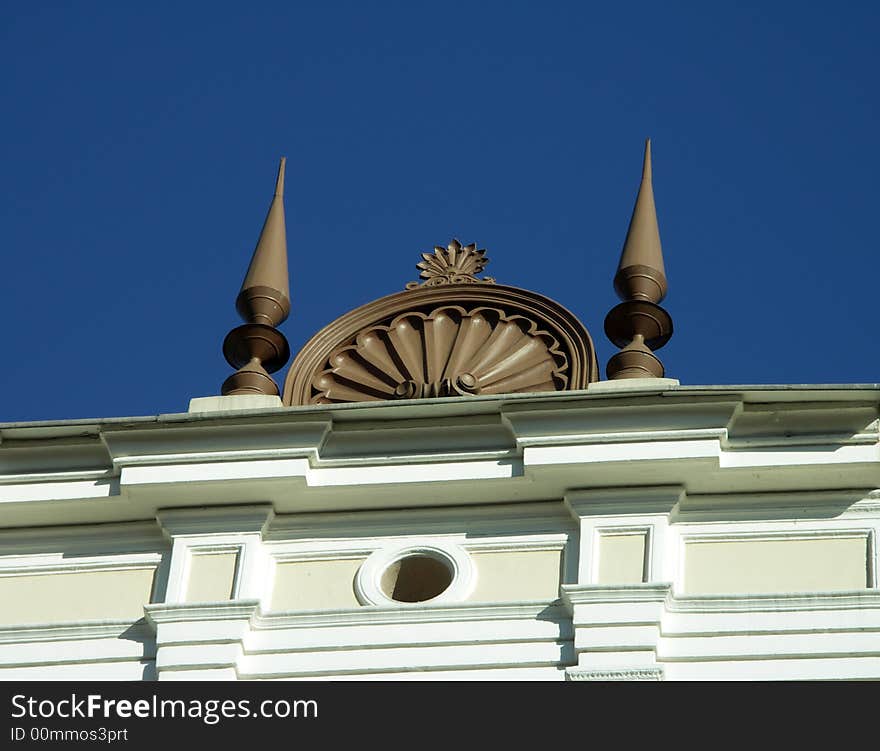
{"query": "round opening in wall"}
pixel 416 578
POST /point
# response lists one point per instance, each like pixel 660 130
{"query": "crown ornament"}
pixel 454 264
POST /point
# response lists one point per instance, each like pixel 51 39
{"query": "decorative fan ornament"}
pixel 450 351
pixel 451 335
pixel 454 264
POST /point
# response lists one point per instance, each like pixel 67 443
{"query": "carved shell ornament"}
pixel 448 352
pixel 451 335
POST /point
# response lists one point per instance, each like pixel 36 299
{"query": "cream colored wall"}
pixel 315 585
pixel 509 576
pixel 621 558
pixel 82 595
pixel 211 577
pixel 761 566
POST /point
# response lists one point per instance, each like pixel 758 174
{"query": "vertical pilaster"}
pixel 218 580
pixel 626 563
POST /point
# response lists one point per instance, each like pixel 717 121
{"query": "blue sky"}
pixel 140 142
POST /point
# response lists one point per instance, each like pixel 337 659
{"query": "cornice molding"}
pixel 214 520
pixel 547 517
pixel 649 499
pixel 92 539
pixel 75 631
pixel 754 506
pixel 776 603
pixel 636 436
pixel 382 615
pixel 590 594
pixel 162 612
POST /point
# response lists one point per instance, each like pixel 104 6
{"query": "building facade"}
pixel 445 489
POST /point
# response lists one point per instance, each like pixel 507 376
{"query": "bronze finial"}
pixel 639 325
pixel 640 273
pixel 265 295
pixel 257 348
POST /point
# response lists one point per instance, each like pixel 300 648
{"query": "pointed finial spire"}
pixel 265 292
pixel 257 348
pixel 640 273
pixel 639 325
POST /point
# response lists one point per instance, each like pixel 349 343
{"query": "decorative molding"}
pixel 813 439
pixel 633 501
pixel 308 555
pixel 446 457
pixel 215 520
pixel 425 613
pixel 591 594
pixel 530 544
pixel 758 507
pixel 208 457
pixel 636 436
pixel 622 674
pixel 180 612
pixel 29 477
pixel 74 631
pixel 491 520
pixel 776 603
pixel 78 540
pixel 128 562
pixel 688 537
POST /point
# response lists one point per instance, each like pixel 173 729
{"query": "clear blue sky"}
pixel 140 142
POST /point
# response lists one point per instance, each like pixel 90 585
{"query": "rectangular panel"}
pixel 621 558
pixel 211 576
pixel 315 585
pixel 776 565
pixel 509 576
pixel 75 596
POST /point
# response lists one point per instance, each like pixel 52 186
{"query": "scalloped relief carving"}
pixel 449 351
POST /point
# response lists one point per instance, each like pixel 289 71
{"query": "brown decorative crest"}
pixel 444 338
pixel 454 264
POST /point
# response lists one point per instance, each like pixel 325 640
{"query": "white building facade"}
pixel 633 530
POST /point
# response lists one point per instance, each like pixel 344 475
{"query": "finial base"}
pixel 264 305
pixel 250 379
pixel 633 318
pixel 634 363
pixel 640 282
pixel 256 340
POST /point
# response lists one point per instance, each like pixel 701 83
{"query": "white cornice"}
pixel 733 506
pixel 206 520
pixel 650 499
pixel 380 614
pixel 75 630
pixel 200 457
pixel 776 603
pixel 125 562
pixel 92 539
pixel 31 477
pixel 565 439
pixel 494 519
pixel 591 594
pixel 162 612
pixel 777 393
